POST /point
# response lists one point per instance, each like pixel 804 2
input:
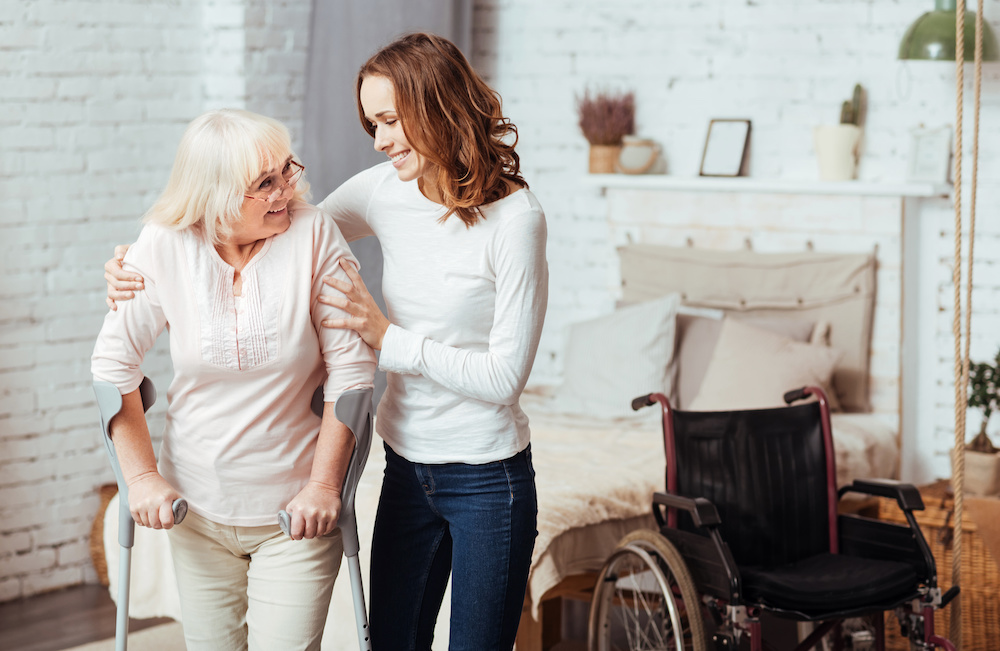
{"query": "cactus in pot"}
pixel 838 145
pixel 850 110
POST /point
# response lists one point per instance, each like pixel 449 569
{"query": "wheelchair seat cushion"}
pixel 829 583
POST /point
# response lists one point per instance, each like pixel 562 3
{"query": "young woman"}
pixel 465 283
pixel 232 261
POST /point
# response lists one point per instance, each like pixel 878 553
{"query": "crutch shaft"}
pixel 121 621
pixel 360 613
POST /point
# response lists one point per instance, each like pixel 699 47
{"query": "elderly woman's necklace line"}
pixel 244 258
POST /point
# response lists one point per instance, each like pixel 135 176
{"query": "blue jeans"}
pixel 477 521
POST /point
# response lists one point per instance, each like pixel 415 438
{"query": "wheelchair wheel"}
pixel 645 599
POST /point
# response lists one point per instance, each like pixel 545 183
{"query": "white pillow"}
pixel 615 358
pixel 752 368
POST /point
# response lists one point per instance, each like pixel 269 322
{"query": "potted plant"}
pixel 838 145
pixel 605 119
pixel 982 463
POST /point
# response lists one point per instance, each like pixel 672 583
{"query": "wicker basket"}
pixel 106 492
pixel 604 158
pixel 980 575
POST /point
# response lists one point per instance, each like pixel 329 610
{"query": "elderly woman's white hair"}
pixel 221 153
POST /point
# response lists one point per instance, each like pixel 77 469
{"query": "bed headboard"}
pixel 833 287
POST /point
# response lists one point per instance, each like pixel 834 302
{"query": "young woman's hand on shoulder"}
pixel 122 284
pixel 366 318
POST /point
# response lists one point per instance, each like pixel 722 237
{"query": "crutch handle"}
pixel 285 522
pixel 180 509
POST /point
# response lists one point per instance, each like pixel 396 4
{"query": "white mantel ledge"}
pixel 765 186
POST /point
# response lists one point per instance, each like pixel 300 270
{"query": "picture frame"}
pixel 930 155
pixel 726 146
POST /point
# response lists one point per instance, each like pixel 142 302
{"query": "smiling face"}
pixel 378 103
pixel 265 208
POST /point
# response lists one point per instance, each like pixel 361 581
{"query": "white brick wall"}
pixel 93 99
pixel 277 38
pixel 94 95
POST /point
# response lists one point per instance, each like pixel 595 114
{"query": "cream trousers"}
pixel 252 588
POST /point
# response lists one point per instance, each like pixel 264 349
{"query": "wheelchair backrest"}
pixel 766 472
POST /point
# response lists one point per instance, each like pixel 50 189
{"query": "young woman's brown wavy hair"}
pixel 451 117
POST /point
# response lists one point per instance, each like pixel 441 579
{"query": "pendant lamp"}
pixel 932 36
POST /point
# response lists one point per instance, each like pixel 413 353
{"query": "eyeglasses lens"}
pixel 292 173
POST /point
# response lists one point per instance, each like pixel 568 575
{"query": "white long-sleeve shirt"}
pixel 240 435
pixel 466 307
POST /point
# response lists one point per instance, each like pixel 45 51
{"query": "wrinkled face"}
pixel 378 103
pixel 265 204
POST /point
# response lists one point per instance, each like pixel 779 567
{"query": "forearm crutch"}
pixel 354 409
pixel 109 403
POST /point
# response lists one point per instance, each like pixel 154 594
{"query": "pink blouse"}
pixel 240 435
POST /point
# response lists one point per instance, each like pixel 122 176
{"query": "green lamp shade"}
pixel 932 36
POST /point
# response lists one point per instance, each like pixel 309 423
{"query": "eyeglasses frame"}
pixel 295 176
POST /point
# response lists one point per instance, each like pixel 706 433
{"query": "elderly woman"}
pixel 233 262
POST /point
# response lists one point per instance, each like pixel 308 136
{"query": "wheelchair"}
pixel 748 526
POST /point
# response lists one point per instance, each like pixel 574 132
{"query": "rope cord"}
pixel 962 355
pixel 958 452
pixel 976 91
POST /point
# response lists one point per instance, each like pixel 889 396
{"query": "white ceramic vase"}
pixel 638 155
pixel 837 147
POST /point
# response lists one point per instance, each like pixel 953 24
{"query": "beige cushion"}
pixel 697 334
pixel 809 286
pixel 615 358
pixel 752 368
pixel 696 339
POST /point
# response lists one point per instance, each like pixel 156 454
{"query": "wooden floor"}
pixel 62 619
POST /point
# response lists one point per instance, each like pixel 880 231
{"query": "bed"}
pixel 597 463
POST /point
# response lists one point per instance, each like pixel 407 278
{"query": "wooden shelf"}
pixel 773 186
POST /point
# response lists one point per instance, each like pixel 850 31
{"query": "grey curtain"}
pixel 344 34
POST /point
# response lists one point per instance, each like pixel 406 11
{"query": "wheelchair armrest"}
pixel 707 554
pixel 701 510
pixel 906 495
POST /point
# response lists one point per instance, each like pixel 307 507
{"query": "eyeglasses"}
pixel 290 175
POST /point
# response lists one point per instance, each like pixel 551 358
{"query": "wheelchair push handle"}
pixel 642 401
pixel 796 394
